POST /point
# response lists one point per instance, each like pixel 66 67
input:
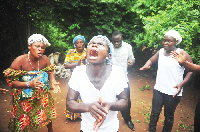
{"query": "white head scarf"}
pixel 38 38
pixel 174 34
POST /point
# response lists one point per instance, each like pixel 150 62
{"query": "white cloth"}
pixel 113 86
pixel 122 55
pixel 169 74
pixel 174 34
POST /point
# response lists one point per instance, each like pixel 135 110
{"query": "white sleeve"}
pixel 74 80
pixel 122 82
pixel 131 56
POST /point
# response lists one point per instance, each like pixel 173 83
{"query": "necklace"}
pixel 31 63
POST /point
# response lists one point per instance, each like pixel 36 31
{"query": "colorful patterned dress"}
pixel 73 56
pixel 32 108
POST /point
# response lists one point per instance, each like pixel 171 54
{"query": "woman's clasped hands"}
pixel 99 111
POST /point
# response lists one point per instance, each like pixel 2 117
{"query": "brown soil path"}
pixel 140 111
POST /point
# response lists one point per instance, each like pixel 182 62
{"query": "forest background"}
pixel 142 23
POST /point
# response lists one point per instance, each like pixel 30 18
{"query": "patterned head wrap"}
pixel 110 46
pixel 38 38
pixel 174 34
pixel 78 37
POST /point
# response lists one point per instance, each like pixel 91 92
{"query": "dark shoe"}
pixel 130 125
pixel 67 120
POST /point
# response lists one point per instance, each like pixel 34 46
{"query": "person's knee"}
pixel 169 118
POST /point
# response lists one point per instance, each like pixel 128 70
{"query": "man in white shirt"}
pixel 123 57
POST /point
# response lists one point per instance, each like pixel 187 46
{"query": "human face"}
pixel 37 49
pixel 79 45
pixel 169 43
pixel 97 51
pixel 117 41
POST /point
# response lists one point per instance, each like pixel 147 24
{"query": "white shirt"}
pixel 169 74
pixel 113 86
pixel 122 55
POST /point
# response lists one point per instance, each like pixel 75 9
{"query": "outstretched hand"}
pixel 56 87
pixel 145 67
pixel 179 57
pixel 2 90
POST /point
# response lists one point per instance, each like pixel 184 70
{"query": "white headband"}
pixel 38 38
pixel 174 34
pixel 110 46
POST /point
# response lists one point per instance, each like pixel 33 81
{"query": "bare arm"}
pixel 149 63
pixel 73 65
pixel 54 83
pixel 2 90
pixel 187 77
pixel 181 58
pixel 96 109
pixel 191 67
pixel 121 104
pixel 73 105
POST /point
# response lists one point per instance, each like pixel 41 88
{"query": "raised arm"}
pixel 149 63
pixel 191 66
pixel 181 58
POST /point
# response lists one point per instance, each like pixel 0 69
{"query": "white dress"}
pixel 169 74
pixel 113 86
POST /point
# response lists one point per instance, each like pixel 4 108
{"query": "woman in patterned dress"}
pixel 75 57
pixel 28 76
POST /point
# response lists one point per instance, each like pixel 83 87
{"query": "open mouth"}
pixel 93 54
pixel 39 54
pixel 80 47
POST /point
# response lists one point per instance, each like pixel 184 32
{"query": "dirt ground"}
pixel 140 109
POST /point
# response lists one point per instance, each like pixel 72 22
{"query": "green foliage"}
pixel 142 88
pixel 142 23
pixel 89 18
pixel 161 16
pixel 147 87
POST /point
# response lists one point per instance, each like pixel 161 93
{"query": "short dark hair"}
pixel 115 33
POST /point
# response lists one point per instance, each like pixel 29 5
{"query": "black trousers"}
pixel 197 117
pixel 126 113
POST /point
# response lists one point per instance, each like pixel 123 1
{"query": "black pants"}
pixel 197 117
pixel 159 100
pixel 126 112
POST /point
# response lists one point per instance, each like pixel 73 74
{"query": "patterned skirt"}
pixel 31 114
